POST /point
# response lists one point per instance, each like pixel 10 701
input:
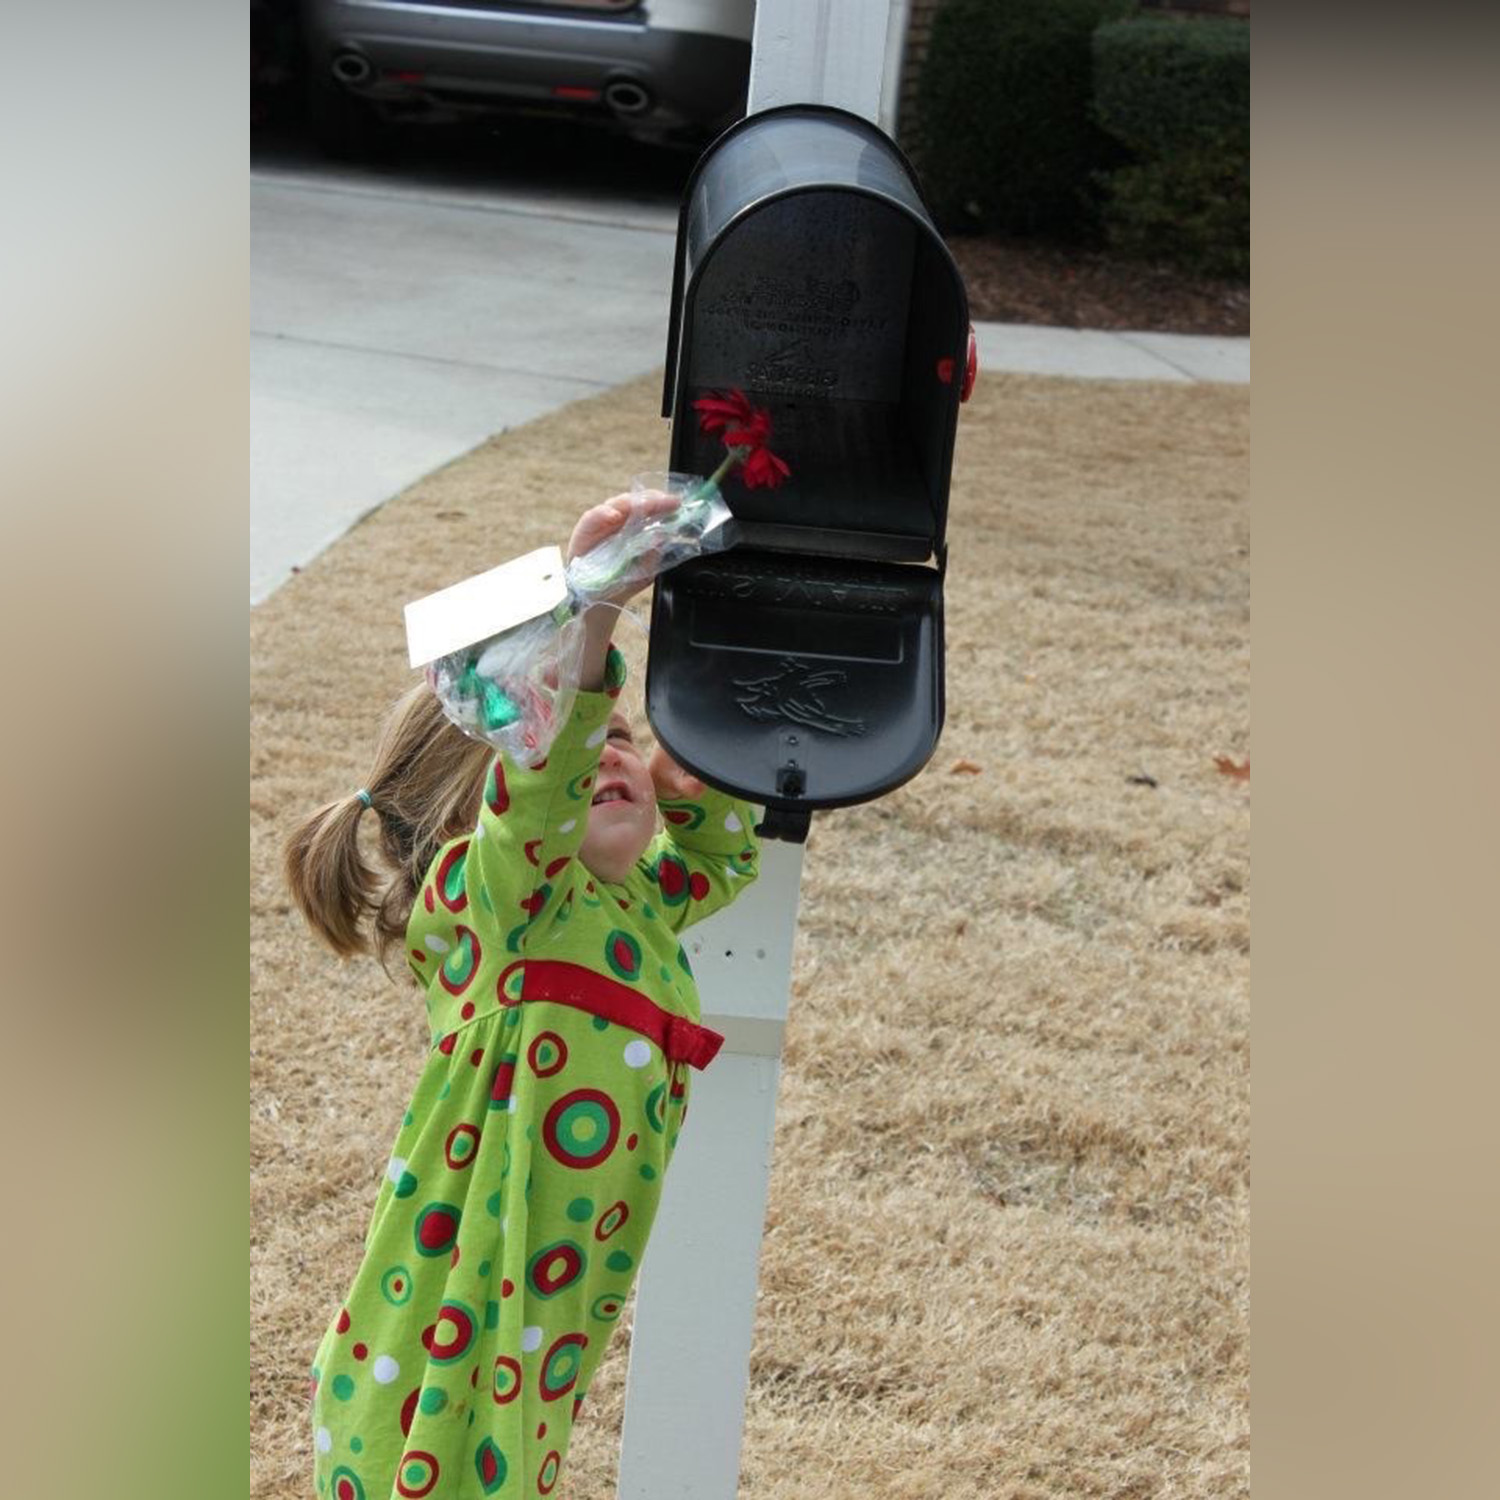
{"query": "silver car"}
pixel 659 70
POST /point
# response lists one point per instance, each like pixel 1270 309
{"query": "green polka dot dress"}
pixel 518 1198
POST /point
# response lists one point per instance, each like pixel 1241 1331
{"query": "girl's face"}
pixel 622 816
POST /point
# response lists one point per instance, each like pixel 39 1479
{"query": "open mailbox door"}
pixel 803 668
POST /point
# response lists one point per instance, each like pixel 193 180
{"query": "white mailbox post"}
pixel 695 1298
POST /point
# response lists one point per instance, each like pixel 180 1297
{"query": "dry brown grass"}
pixel 1006 1253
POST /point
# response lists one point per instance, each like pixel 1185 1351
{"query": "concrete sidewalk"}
pixel 1093 354
pixel 394 327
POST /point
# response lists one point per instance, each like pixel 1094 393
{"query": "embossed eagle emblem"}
pixel 791 695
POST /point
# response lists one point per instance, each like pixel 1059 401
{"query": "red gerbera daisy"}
pixel 747 431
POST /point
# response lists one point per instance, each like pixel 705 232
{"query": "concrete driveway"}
pixel 401 316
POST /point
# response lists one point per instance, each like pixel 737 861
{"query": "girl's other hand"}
pixel 672 783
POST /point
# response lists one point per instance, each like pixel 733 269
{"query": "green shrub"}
pixel 1176 95
pixel 1004 133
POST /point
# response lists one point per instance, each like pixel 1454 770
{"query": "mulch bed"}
pixel 1032 281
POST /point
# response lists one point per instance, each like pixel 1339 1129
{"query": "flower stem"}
pixel 732 457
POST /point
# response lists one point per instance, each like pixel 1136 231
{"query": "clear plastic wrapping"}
pixel 646 544
pixel 514 689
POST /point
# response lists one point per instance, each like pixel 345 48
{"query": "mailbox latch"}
pixel 789 824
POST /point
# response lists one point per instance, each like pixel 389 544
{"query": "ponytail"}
pixel 424 788
pixel 329 878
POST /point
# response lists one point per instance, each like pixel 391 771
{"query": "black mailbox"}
pixel 803 667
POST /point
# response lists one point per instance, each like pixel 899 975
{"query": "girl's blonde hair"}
pixel 424 788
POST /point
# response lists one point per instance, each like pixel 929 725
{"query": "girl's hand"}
pixel 600 522
pixel 672 783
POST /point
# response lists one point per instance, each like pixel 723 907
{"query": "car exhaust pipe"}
pixel 626 97
pixel 350 67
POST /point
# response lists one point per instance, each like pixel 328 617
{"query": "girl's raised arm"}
pixel 522 863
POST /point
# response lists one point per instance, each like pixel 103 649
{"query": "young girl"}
pixel 540 912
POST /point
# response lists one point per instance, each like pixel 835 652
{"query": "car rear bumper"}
pixel 478 58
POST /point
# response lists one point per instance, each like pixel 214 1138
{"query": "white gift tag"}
pixel 485 604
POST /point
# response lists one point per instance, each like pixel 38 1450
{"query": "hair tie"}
pixel 364 797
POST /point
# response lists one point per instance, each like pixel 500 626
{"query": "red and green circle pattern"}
pixel 462 1143
pixel 496 793
pixel 503 1083
pixel 612 1219
pixel 623 954
pixel 450 877
pixel 672 879
pixel 417 1474
pixel 343 1484
pixel 554 1268
pixel 436 1229
pixel 490 1465
pixel 547 1477
pixel 395 1286
pixel 505 1384
pixel 461 963
pixel 537 900
pixel 655 1102
pixel 509 985
pixel 453 1333
pixel 582 1128
pixel 548 1054
pixel 561 1366
pixel 608 1307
